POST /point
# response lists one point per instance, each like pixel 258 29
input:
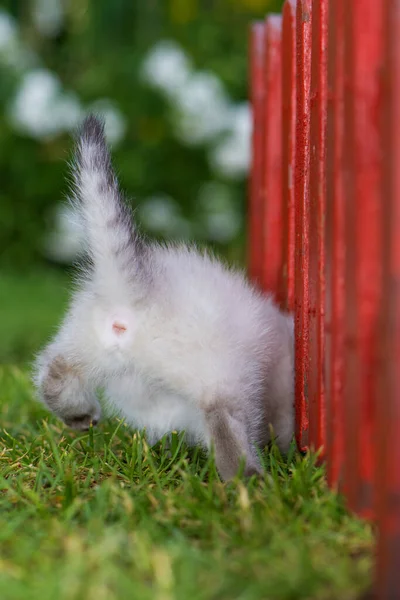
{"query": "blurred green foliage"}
pixel 31 306
pixel 98 52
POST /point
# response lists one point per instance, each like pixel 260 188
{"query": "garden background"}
pixel 170 78
pixel 101 515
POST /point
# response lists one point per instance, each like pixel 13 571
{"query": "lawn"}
pixel 102 516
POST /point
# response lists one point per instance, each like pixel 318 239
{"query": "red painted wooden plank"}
pixel 272 176
pixel 318 117
pixel 256 200
pixel 388 399
pixel 335 246
pixel 363 59
pixel 286 284
pixel 302 208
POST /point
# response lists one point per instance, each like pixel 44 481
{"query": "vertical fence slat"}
pixel 363 61
pixel 302 208
pixel 272 175
pixel 286 285
pixel 256 200
pixel 335 246
pixel 318 116
pixel 388 400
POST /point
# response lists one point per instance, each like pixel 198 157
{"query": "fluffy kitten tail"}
pixel 111 239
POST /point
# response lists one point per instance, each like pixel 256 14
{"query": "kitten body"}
pixel 177 340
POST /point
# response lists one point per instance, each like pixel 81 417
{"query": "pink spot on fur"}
pixel 119 328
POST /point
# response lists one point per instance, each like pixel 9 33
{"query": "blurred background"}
pixel 170 79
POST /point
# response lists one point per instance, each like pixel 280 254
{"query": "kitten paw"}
pixel 81 422
pixel 66 394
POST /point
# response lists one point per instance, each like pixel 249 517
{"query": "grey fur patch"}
pixel 81 422
pixel 61 382
pixel 92 154
pixel 229 438
pixel 92 134
pixel 53 384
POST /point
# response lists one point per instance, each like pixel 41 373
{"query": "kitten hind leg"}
pixel 65 391
pixel 283 428
pixel 229 437
pixel 282 420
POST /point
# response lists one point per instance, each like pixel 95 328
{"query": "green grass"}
pixel 31 305
pixel 102 516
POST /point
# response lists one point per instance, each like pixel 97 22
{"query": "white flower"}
pixel 114 121
pixel 161 215
pixel 40 109
pixel 33 108
pixel 67 241
pixel 166 67
pixel 48 16
pixel 231 156
pixel 69 111
pixel 202 108
pixel 13 53
pixel 8 31
pixel 220 217
pixel 223 227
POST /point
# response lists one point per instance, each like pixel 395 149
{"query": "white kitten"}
pixel 177 340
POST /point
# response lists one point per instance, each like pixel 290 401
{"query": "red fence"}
pixel 324 217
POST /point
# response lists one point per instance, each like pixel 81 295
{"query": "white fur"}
pixel 171 343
